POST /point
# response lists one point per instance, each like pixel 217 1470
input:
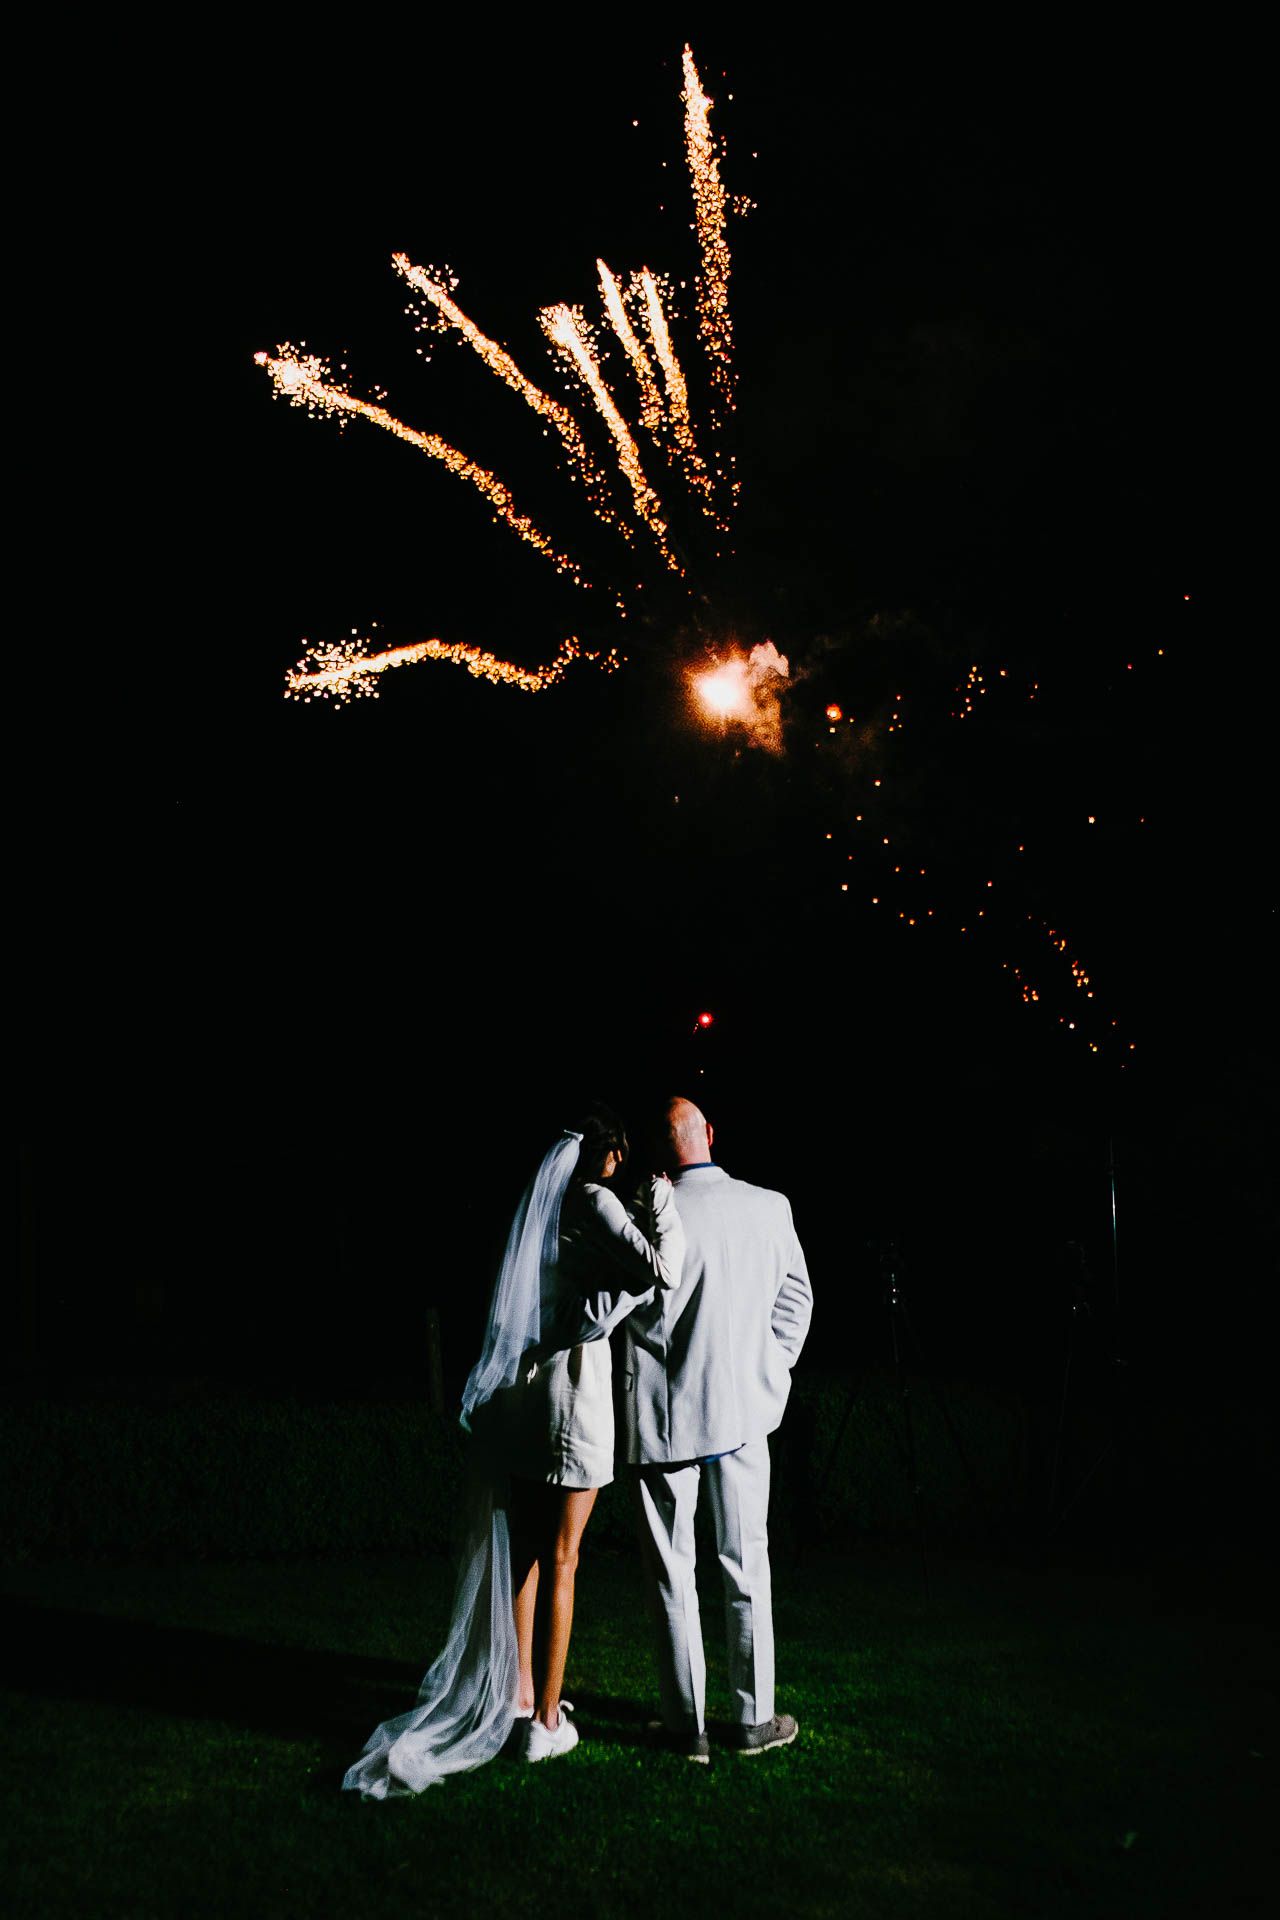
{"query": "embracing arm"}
pixel 643 1263
pixel 793 1304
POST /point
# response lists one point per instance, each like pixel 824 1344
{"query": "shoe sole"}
pixel 748 1753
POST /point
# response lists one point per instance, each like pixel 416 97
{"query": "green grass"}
pixel 1026 1743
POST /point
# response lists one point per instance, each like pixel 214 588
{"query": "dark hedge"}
pixel 209 1473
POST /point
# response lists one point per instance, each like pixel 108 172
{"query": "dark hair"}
pixel 602 1133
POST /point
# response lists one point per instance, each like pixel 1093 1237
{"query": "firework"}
pixel 345 670
pixel 664 412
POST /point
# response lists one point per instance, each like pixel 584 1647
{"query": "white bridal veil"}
pixel 466 1703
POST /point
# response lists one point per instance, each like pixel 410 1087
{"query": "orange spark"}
pixel 305 381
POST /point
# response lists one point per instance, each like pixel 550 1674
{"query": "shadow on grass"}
pixel 609 1720
pixel 612 1721
pixel 60 1653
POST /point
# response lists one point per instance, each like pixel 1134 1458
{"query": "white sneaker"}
pixel 548 1743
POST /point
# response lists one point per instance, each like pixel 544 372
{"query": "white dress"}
pixel 563 1430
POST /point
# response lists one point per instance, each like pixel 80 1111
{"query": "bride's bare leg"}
pixel 526 1605
pixel 524 1583
pixel 559 1568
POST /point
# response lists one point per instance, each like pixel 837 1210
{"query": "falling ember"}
pixel 305 381
pixel 565 330
pixel 744 689
pixel 345 670
pixel 499 361
pixel 834 712
pixel 695 470
pixel 709 218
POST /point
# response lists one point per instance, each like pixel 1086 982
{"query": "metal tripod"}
pixel 1082 1325
pixel 902 1334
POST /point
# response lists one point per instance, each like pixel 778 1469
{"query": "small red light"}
pixel 705 1019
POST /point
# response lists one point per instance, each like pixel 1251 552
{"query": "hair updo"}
pixel 602 1133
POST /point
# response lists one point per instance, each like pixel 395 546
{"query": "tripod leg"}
pixel 841 1430
pixel 940 1401
pixel 909 1438
pixel 1060 1440
pixel 1100 1462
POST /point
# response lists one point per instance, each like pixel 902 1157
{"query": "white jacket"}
pixel 707 1363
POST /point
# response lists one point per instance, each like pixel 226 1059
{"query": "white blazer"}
pixel 707 1364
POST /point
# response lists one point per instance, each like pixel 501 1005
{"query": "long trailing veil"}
pixel 466 1703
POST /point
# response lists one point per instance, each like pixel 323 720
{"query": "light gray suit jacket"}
pixel 708 1364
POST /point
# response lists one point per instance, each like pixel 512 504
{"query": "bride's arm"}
pixel 653 1259
pixel 645 1263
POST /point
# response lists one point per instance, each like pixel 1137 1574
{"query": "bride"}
pixel 539 1408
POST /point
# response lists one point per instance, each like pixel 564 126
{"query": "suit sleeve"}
pixel 793 1305
pixel 643 1264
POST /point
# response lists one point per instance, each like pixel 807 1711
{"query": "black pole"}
pixel 908 1423
pixel 1060 1440
pixel 1115 1236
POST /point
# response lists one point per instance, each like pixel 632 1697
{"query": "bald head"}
pixel 688 1135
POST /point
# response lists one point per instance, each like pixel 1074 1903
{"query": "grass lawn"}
pixel 1028 1742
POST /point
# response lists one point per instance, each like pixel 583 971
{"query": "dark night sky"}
pixel 299 973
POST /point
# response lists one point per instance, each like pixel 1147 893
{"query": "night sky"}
pixel 311 988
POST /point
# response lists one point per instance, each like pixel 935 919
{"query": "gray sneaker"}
pixel 689 1746
pixel 778 1732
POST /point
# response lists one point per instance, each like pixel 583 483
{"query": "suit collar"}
pixel 707 1171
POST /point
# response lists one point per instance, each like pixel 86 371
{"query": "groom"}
pixel 707 1372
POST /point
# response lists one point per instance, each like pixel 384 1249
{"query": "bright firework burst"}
pixel 743 689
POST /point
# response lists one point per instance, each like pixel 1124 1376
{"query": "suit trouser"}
pixel 738 1490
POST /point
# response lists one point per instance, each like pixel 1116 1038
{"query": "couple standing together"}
pixel 705 1279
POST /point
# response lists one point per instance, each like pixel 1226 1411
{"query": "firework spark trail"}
pixel 709 203
pixel 650 398
pixel 565 331
pixel 499 361
pixel 303 379
pixel 344 670
pixel 677 392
